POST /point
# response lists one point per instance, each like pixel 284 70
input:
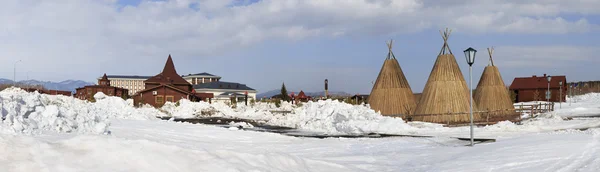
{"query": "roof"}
pixel 100 86
pixel 202 74
pixel 536 82
pixel 104 77
pixel 231 94
pixel 128 76
pixel 360 95
pixel 223 85
pixel 301 95
pixel 168 75
pixel 165 85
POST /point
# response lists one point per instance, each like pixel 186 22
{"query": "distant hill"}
pixel 271 93
pixel 67 85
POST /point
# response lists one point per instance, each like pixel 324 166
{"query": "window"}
pixel 159 100
pixel 170 98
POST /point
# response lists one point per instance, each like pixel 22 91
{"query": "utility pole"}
pixel 15 74
pixel 560 94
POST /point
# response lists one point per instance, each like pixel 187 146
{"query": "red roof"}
pixel 168 75
pixel 301 95
pixel 537 82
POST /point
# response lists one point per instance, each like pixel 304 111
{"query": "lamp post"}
pixel 28 85
pixel 15 73
pixel 470 56
pixel 570 94
pixel 560 94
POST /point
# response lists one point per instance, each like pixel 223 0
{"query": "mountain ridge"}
pixel 271 93
pixel 66 85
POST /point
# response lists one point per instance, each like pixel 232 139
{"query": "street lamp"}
pixel 470 56
pixel 560 83
pixel 15 73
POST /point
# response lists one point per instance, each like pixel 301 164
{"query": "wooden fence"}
pixel 462 118
pixel 536 108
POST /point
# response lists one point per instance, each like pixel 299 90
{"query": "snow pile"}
pixel 582 105
pixel 334 117
pixel 241 124
pixel 32 113
pixel 116 107
pixel 187 109
pixel 329 116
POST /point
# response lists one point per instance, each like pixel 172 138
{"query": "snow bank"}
pixel 116 107
pixel 32 113
pixel 582 105
pixel 332 117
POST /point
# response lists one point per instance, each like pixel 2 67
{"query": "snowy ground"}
pixel 138 143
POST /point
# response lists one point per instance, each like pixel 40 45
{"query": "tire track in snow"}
pixel 580 161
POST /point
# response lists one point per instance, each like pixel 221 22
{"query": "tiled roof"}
pixel 203 74
pixel 222 85
pixel 168 75
pixel 128 76
pixel 536 82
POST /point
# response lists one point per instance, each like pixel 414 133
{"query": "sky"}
pixel 263 43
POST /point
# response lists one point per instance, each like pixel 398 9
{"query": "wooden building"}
pixel 167 86
pixel 224 91
pixel 88 92
pixel 302 97
pixel 534 88
pixel 49 92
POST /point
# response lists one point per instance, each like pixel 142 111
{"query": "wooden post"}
pixel 448 123
pixel 532 111
pixel 487 120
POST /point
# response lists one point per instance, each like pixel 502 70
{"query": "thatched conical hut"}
pixel 445 98
pixel 391 94
pixel 491 94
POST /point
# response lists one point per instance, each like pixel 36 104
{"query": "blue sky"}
pixel 301 43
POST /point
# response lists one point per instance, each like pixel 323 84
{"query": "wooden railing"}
pixel 536 108
pixel 460 118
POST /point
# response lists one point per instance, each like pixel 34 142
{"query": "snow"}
pixel 58 133
pixel 329 116
pixel 170 146
pixel 584 105
pixel 31 113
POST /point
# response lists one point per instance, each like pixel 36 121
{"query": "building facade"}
pixel 49 92
pixel 201 78
pixel 104 86
pixel 167 86
pixel 224 91
pixel 526 89
pixel 133 83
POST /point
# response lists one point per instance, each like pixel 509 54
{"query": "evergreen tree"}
pixel 284 93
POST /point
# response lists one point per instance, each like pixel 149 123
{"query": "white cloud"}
pixel 545 56
pixel 84 32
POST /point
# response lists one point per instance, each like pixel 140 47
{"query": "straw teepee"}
pixel 445 98
pixel 491 93
pixel 391 94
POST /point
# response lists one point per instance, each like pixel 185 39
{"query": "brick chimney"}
pixel 544 75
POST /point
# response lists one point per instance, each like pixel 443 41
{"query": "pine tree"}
pixel 284 93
